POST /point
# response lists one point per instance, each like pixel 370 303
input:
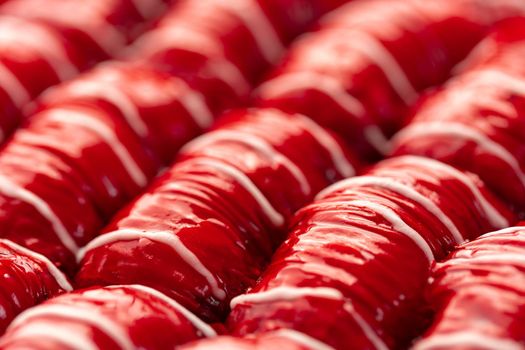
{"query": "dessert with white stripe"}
pixel 365 66
pixel 27 279
pixel 477 295
pixel 115 317
pixel 205 230
pixel 354 268
pixel 458 127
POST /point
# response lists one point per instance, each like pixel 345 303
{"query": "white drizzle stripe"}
pixel 109 137
pixel 466 339
pixel 13 190
pixel 301 338
pixel 466 132
pixel 326 140
pixel 397 223
pixel 258 24
pixel 371 47
pixel 53 51
pixel 366 328
pixel 114 95
pixel 170 37
pixel 45 330
pixel 202 326
pixel 296 81
pixel 195 104
pixel 330 87
pixel 169 239
pixel 286 293
pixel 512 229
pixel 16 91
pixel 503 258
pixel 77 314
pixel 255 142
pixel 493 215
pixel 59 277
pixel 273 215
pixel 402 189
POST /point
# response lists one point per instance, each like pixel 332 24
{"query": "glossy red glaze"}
pixel 26 280
pixel 392 51
pixel 116 317
pixel 456 126
pixel 477 294
pixel 222 207
pixel 355 265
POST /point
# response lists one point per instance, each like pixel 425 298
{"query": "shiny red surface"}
pixel 200 205
pixel 499 116
pixel 380 272
pixel 143 319
pixel 478 291
pixel 425 38
pixel 25 282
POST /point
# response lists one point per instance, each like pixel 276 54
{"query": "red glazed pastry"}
pixel 354 267
pixel 365 66
pixel 205 230
pixel 116 317
pixel 456 126
pixel 478 295
pixel 27 278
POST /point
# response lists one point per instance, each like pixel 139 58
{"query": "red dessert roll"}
pixel 365 66
pixel 477 294
pixel 476 121
pixel 27 278
pixel 355 265
pixel 115 317
pixel 204 231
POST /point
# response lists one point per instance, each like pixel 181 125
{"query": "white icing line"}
pixel 502 258
pixel 107 134
pixel 366 328
pixel 343 166
pixel 374 49
pixel 397 223
pixel 467 339
pixel 10 189
pixel 332 88
pixel 195 104
pixel 46 330
pixel 59 277
pixel 301 338
pixel 495 218
pixel 114 95
pixel 286 293
pixel 465 132
pixel 202 326
pixel 47 44
pixel 512 229
pixel 402 189
pixel 169 239
pixel 77 314
pixel 255 142
pixel 273 215
pixel 255 20
pixel 16 91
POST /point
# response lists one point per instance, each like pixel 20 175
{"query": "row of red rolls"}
pixel 93 143
pixel 410 207
pixel 43 45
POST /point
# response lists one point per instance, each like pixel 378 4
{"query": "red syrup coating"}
pixel 27 279
pixel 359 73
pixel 205 230
pixel 482 135
pixel 116 317
pixel 355 265
pixel 477 294
pixel 96 141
